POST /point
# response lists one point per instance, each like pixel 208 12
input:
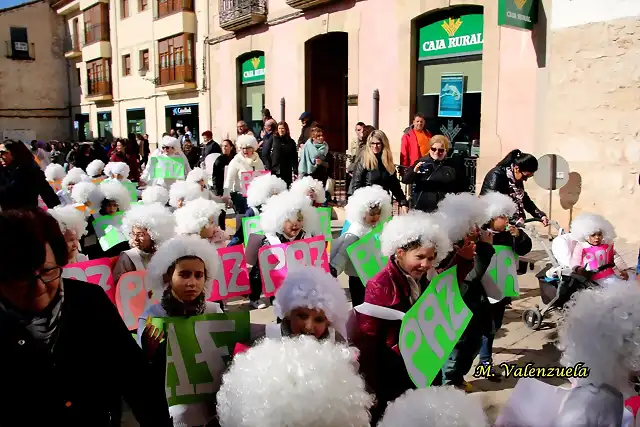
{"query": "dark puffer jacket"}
pixel 432 184
pixel 496 180
pixel 363 177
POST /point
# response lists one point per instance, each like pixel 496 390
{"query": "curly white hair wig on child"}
pixel 155 194
pixel 460 213
pixel 366 198
pixel 415 227
pixel 264 187
pixel 602 331
pixel 286 206
pixel 435 407
pixel 196 175
pixel 246 141
pixel 314 288
pixel 70 218
pixel 74 176
pixel 169 141
pixel 185 191
pixel 586 224
pixel 195 216
pixel 497 205
pixel 117 168
pixel 54 172
pixel 258 388
pixel 95 168
pixel 155 218
pixel 115 191
pixel 306 184
pixel 87 193
pixel 179 247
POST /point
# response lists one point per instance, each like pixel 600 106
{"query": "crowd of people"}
pixel 66 346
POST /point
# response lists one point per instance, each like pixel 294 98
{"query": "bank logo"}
pixel 452 25
pixel 520 3
pixel 256 62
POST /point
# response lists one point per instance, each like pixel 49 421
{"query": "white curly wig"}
pixel 179 247
pixel 245 141
pixel 586 224
pixel 314 288
pixel 54 172
pixel 187 191
pixel 264 187
pixel 155 218
pixel 285 206
pixel 262 386
pixel 460 212
pixel 117 168
pixel 416 226
pixel 303 185
pixel 169 141
pixel 434 407
pixel 70 218
pixel 196 175
pixel 87 192
pixel 74 176
pixel 366 198
pixel 95 168
pixel 602 331
pixel 497 205
pixel 195 215
pixel 155 194
pixel 114 190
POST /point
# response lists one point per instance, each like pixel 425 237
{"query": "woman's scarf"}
pixel 42 326
pixel 516 193
pixel 174 307
pixel 310 152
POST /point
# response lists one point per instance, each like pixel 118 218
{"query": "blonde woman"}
pixel 376 167
pixel 433 178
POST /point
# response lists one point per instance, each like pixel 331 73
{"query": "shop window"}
pixel 126 65
pixel 175 60
pixel 251 71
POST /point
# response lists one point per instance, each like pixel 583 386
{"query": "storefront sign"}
pixel 253 70
pixel 518 13
pixel 452 37
pixel 451 95
pixel 181 111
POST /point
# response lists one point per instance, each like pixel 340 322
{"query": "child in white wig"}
pixel 261 386
pixel 415 243
pixel 434 406
pixel 87 196
pixel 201 217
pixel 180 272
pixel 95 169
pixel 116 198
pixel 117 171
pixel 73 225
pixel 286 217
pixel 155 194
pixel 366 207
pixel 182 192
pixel 199 176
pixel 246 160
pixel 74 176
pixel 168 147
pixel 147 226
pixel 54 173
pixel 311 188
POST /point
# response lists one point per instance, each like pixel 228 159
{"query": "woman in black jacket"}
pixel 21 179
pixel 228 153
pixel 65 354
pixel 508 177
pixel 375 167
pixel 433 179
pixel 283 158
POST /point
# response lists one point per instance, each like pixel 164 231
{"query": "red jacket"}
pixel 410 149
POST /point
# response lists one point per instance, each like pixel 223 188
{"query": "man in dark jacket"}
pixel 267 143
pixel 210 146
pixel 305 133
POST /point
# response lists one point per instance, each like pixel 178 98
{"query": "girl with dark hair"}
pixel 21 179
pixel 508 177
pixel 282 158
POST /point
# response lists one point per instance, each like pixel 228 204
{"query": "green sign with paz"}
pixel 251 225
pixel 366 255
pixel 165 167
pixel 432 327
pixel 455 36
pixel 107 228
pixel 518 13
pixel 253 70
pixel 501 278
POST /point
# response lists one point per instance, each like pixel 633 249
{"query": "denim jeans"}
pixel 497 315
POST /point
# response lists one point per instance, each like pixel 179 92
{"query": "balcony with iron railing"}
pixel 238 14
pixel 306 4
pixel 72 46
pixel 99 88
pixel 176 75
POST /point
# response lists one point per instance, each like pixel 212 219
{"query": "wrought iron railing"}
pixel 234 9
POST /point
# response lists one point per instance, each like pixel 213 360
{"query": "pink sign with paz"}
pixel 233 279
pixel 247 177
pixel 97 272
pixel 133 297
pixel 275 260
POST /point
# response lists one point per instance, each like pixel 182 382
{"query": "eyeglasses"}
pixel 376 144
pixel 49 275
pixel 439 150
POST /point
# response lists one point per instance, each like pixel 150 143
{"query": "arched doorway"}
pixel 326 86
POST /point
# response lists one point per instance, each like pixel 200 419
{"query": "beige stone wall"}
pixel 33 94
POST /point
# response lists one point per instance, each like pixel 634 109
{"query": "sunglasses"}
pixel 167 148
pixel 438 150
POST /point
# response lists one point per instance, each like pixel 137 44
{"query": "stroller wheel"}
pixel 532 318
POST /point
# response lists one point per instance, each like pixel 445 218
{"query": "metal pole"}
pixel 282 108
pixel 376 108
pixel 552 186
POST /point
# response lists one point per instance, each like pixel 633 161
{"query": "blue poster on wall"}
pixel 451 94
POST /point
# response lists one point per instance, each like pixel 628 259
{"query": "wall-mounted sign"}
pixel 451 94
pixel 181 111
pixel 518 13
pixel 352 100
pixel 459 36
pixel 253 70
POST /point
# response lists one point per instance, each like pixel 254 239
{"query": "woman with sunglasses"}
pixel 508 177
pixel 65 349
pixel 431 176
